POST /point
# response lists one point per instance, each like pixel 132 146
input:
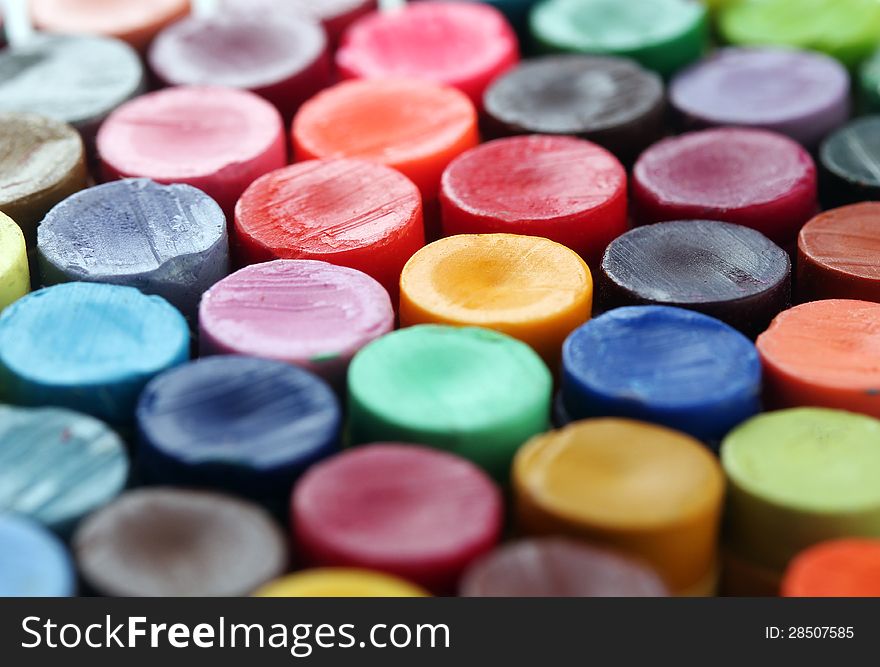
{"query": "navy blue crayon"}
pixel 244 425
pixel 33 562
pixel 664 365
pixel 168 240
pixel 58 466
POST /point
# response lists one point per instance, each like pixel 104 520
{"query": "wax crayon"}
pixel 338 582
pixel 663 35
pixel 730 272
pixel 33 562
pixel 58 466
pixel 611 101
pixel 663 365
pixel 754 178
pixel 474 392
pixel 840 568
pixel 15 278
pixel 413 512
pixel 236 424
pixel 218 140
pixel 464 45
pixel 76 79
pixel 134 21
pixel 334 15
pixel 869 83
pixel 845 29
pixel 799 477
pixel 836 254
pixel 176 543
pixel 283 58
pixel 168 240
pixel 565 189
pixel 88 347
pixel 43 163
pixel 556 567
pixel 649 491
pixel 416 127
pixel 347 212
pixel 802 94
pixel 824 354
pixel 305 312
pixel 526 287
pixel 849 159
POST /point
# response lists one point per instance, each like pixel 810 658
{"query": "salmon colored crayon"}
pixel 647 490
pixel 134 21
pixel 346 212
pixel 530 288
pixel 749 177
pixel 565 189
pixel 837 253
pixel 15 280
pixel 340 582
pixel 826 354
pixel 406 510
pixel 462 45
pixel 219 140
pixel 416 127
pixel 841 569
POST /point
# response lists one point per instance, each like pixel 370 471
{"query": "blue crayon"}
pixel 168 240
pixel 88 347
pixel 58 466
pixel 244 425
pixel 33 562
pixel 664 365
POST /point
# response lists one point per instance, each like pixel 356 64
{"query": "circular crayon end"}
pixel 76 79
pixel 565 189
pixel 495 393
pixel 555 568
pixel 282 58
pixel 462 45
pixel 730 272
pixel 168 240
pixel 663 365
pixel 339 582
pixel 349 212
pixel 820 354
pixel 218 140
pixel 416 127
pixel 663 35
pixel 413 512
pixel 802 94
pixel 754 178
pixel 175 543
pixel 43 162
pixel 89 347
pixel 805 24
pixel 57 466
pixel 654 493
pixel 848 159
pixel 134 21
pixel 611 101
pixel 304 312
pixel 848 568
pixel 836 252
pixel 243 425
pixel 798 477
pixel 15 278
pixel 33 562
pixel 529 288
